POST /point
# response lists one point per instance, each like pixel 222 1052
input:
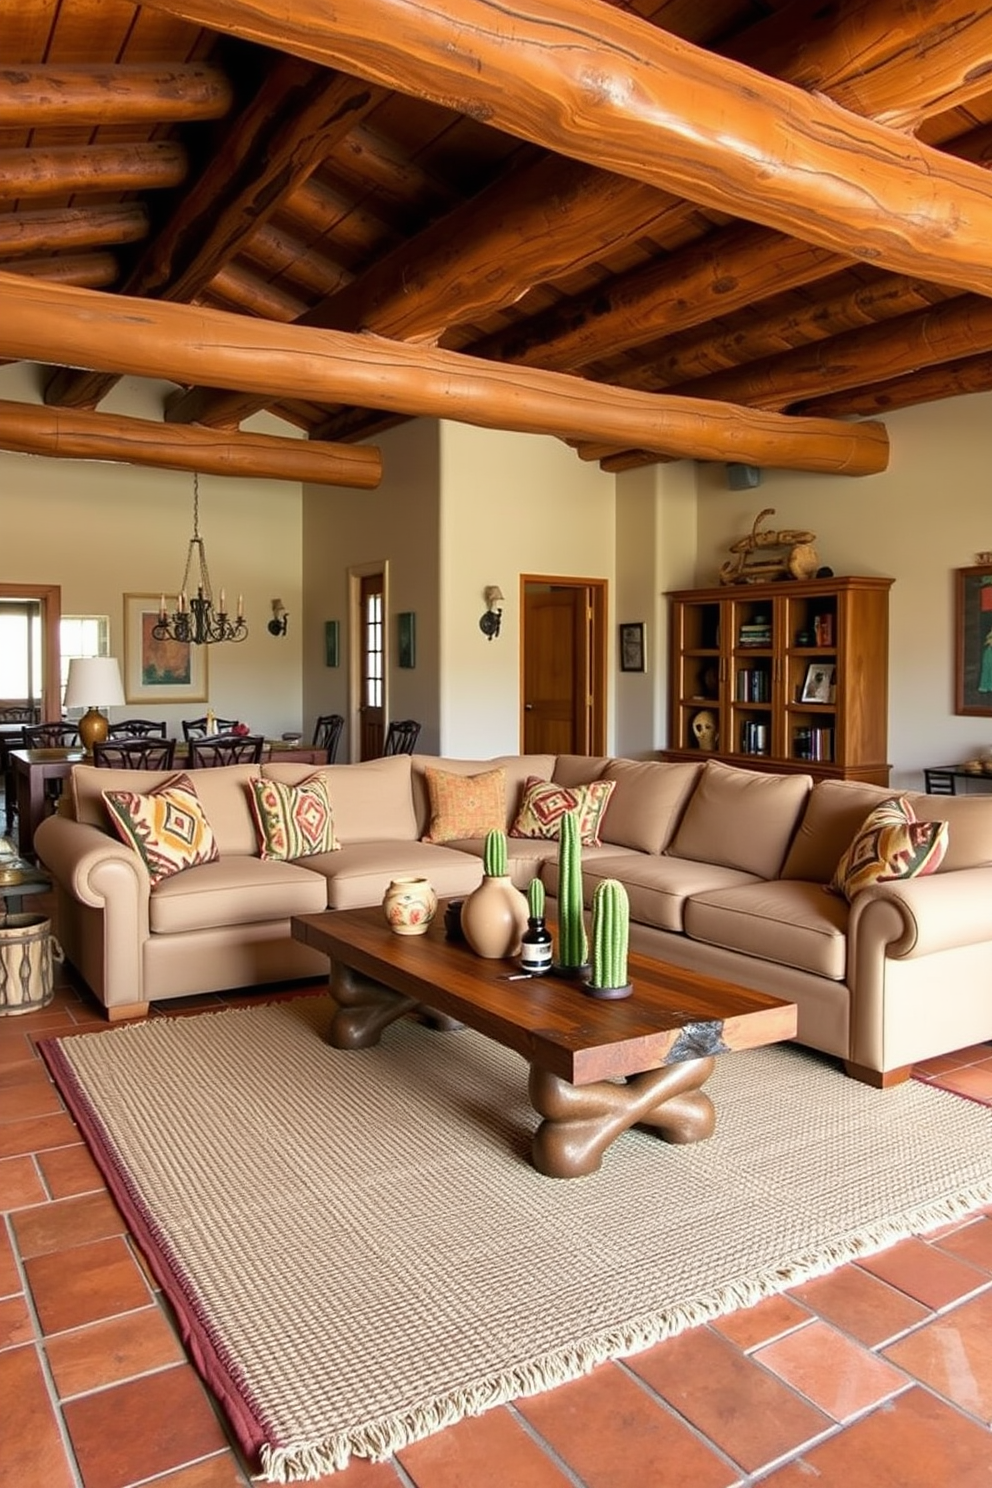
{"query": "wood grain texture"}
pixel 107 94
pixel 75 327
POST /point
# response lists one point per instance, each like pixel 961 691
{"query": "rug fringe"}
pixel 378 1440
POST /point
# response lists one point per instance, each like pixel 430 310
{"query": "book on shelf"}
pixel 754 737
pixel 813 744
pixel 753 685
pixel 823 628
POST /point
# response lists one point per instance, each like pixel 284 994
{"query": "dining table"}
pixel 35 768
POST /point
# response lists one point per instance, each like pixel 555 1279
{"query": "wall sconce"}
pixel 489 622
pixel 279 621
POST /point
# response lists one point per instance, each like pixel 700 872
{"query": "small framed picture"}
pixel 973 640
pixel 406 639
pixel 632 657
pixel 332 641
pixel 820 683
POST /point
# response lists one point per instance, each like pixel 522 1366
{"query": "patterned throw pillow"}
pixel 544 803
pixel 166 827
pixel 889 845
pixel 465 805
pixel 292 821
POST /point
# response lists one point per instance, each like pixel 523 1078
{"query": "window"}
pixel 82 635
pixel 20 651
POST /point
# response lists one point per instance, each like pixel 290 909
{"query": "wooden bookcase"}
pixel 795 675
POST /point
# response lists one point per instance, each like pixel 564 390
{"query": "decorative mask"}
pixel 704 730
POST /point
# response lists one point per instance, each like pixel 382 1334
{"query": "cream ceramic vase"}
pixel 494 918
pixel 409 905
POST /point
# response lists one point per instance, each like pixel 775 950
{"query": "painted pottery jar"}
pixel 409 905
pixel 494 918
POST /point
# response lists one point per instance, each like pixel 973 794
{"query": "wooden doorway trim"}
pixel 49 596
pixel 595 647
pixel 357 574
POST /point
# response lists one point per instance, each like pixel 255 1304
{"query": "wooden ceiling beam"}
pixel 71 227
pixel 599 85
pixel 144 338
pixel 44 96
pixel 64 170
pixel 92 270
pixel 74 434
pixel 971 374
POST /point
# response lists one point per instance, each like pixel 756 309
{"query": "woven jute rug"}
pixel 360 1253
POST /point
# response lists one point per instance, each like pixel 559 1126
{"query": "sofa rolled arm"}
pixel 91 866
pixel 921 916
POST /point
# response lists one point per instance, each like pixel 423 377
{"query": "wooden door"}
pixel 563 667
pixel 49 598
pixel 372 664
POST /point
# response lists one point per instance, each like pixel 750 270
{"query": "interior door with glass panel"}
pixel 371 633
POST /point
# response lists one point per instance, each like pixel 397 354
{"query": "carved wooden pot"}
pixel 494 918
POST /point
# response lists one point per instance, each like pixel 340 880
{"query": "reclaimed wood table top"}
pixel 672 1015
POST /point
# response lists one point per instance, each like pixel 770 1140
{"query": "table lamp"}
pixel 93 680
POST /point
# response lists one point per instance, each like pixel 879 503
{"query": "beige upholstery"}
pixel 647 802
pixel 741 818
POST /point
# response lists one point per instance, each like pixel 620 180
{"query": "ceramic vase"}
pixel 409 905
pixel 494 918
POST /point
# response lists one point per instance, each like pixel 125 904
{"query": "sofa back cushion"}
pixel 648 801
pixel 834 813
pixel 969 827
pixel 371 802
pixel 741 818
pixel 516 767
pixel 578 769
pixel 223 794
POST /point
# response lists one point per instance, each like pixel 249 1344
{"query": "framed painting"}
pixel 632 657
pixel 332 643
pixel 406 638
pixel 973 640
pixel 159 671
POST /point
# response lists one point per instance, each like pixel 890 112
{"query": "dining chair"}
pixel 401 736
pixel 196 728
pixel 134 754
pixel 137 728
pixel 327 733
pixel 18 713
pixel 49 735
pixel 244 749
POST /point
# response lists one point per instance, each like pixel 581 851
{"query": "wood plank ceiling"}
pixel 557 218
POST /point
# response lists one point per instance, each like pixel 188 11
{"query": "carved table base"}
pixel 580 1121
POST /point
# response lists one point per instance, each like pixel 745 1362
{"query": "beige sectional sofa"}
pixel 727 873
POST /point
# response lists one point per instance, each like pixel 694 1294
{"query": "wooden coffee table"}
pixel 596 1067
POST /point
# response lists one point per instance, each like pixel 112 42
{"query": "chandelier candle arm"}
pixel 195 621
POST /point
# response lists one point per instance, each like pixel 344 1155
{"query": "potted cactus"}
pixel 610 931
pixel 573 946
pixel 494 916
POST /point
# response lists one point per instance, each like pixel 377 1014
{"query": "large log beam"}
pixel 50 96
pixel 67 434
pixel 92 270
pixel 971 374
pixel 606 87
pixel 62 170
pixel 71 227
pixel 77 327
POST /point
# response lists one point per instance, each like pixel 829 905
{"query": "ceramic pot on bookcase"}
pixel 494 918
pixel 409 905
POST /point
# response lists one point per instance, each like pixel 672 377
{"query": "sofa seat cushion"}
pixel 360 873
pixel 741 818
pixel 234 891
pixel 658 887
pixel 791 923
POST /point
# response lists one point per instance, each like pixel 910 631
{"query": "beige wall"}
pixel 100 529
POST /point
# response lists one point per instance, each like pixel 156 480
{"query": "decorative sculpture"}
pixel 797 560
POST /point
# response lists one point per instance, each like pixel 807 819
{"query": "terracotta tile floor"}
pixel 877 1374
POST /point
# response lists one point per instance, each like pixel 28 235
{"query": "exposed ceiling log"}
pixel 49 96
pixel 123 335
pixel 284 135
pixel 603 86
pixel 92 270
pixel 238 286
pixel 971 374
pixel 61 170
pixel 71 434
pixel 71 227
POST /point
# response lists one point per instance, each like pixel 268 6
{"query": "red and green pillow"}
pixel 544 803
pixel 890 845
pixel 166 826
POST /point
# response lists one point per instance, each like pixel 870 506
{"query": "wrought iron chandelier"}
pixel 195 620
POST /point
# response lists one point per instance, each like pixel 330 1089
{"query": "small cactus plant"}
pixel 535 899
pixel 573 946
pixel 494 854
pixel 610 930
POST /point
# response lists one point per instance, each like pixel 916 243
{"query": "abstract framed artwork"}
pixel 159 671
pixel 973 640
pixel 632 657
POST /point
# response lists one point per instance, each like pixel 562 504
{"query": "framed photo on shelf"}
pixel 820 684
pixel 632 647
pixel 159 671
pixel 973 641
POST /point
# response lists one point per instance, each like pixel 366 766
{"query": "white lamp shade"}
pixel 94 681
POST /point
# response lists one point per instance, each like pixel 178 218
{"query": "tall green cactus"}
pixel 572 944
pixel 535 899
pixel 494 854
pixel 610 932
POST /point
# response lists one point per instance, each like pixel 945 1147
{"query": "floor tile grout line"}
pixel 672 1410
pixel 546 1447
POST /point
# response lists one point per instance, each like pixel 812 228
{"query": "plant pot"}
pixel 409 905
pixel 608 992
pixel 494 918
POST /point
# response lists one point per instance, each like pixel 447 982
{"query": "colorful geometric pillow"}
pixel 465 805
pixel 544 803
pixel 166 827
pixel 292 821
pixel 889 845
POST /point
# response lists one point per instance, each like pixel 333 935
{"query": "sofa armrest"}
pixel 921 916
pixel 90 865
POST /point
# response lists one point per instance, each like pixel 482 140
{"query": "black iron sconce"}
pixel 489 622
pixel 280 620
